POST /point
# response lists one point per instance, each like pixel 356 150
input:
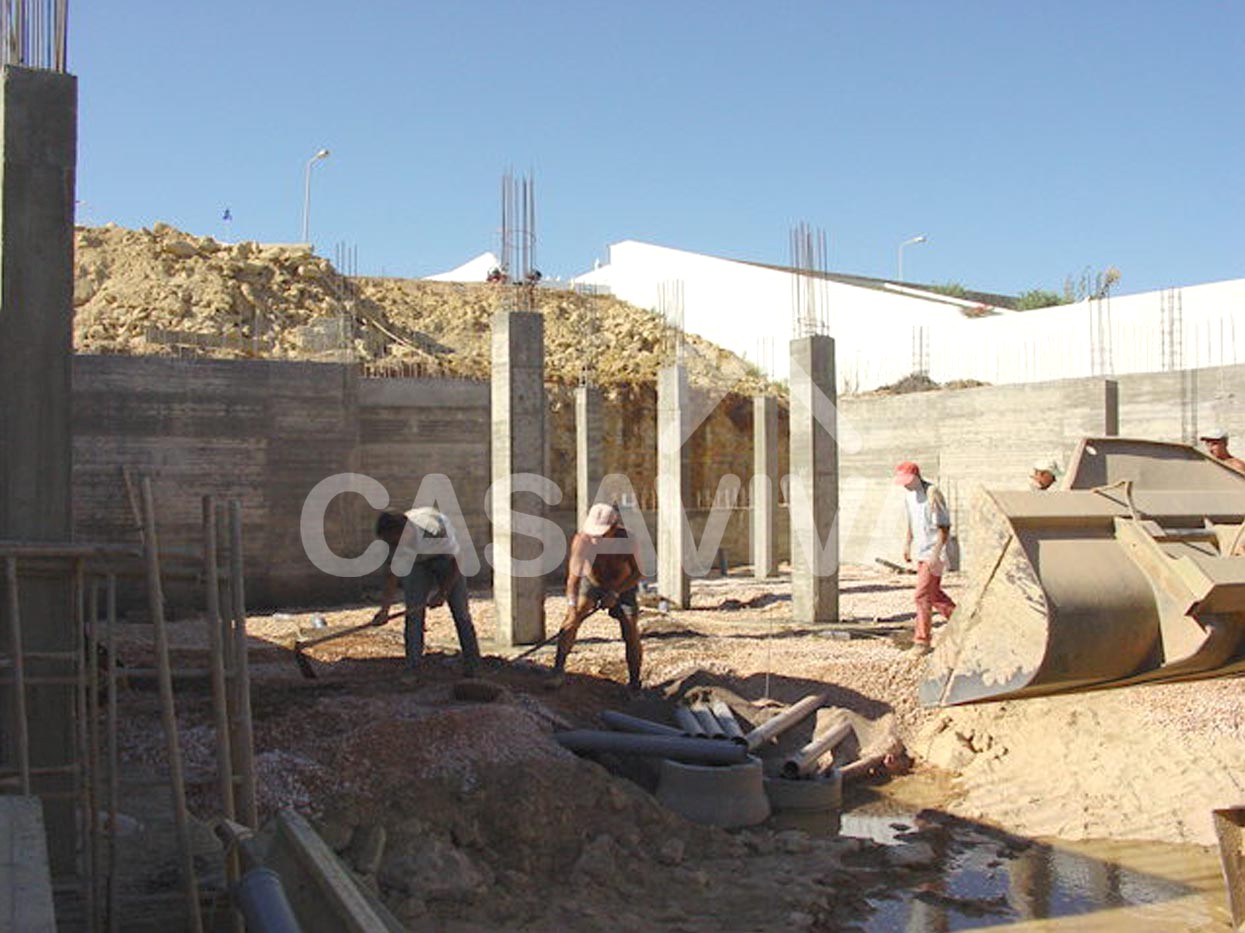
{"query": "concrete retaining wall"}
pixel 266 432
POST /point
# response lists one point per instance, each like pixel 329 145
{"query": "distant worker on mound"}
pixel 601 573
pixel 1045 472
pixel 423 554
pixel 929 529
pixel 1216 441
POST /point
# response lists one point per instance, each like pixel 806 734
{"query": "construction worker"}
pixel 1045 472
pixel 424 556
pixel 601 573
pixel 929 530
pixel 1216 441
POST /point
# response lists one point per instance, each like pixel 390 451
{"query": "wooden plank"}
pixel 323 893
pixel 25 878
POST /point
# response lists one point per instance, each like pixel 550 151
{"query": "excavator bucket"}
pixel 1132 571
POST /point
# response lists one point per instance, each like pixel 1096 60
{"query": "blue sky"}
pixel 1028 141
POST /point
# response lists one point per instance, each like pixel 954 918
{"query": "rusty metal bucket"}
pixel 1130 572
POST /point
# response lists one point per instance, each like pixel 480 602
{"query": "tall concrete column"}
pixel 764 512
pixel 37 162
pixel 814 490
pixel 673 475
pixel 518 426
pixel 588 431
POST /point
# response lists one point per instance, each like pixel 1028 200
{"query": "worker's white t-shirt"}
pixel 432 536
pixel 927 512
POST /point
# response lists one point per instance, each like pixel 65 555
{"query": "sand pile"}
pixel 1109 765
pixel 162 291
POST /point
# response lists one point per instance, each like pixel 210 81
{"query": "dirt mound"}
pixel 165 292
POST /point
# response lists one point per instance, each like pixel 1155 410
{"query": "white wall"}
pixel 734 303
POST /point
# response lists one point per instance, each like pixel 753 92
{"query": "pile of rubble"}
pixel 160 291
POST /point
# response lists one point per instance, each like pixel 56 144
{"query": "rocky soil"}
pixel 166 292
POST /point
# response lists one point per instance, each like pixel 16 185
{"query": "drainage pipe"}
pixel 804 761
pixel 708 722
pixel 692 751
pixel 726 719
pixel 772 728
pixel 262 900
pixel 689 723
pixel 621 722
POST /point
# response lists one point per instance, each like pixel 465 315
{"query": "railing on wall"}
pixel 35 33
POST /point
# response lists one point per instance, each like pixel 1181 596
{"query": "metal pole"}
pixel 307 198
pixel 168 716
pixel 95 785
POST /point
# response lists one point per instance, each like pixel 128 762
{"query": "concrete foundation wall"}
pixel 267 432
pixel 962 439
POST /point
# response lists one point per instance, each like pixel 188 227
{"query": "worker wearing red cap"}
pixel 929 528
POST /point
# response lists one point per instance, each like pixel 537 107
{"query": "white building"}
pixel 885 331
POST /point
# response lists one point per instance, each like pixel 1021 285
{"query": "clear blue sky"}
pixel 1026 140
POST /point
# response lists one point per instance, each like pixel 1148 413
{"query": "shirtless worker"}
pixel 1216 441
pixel 601 573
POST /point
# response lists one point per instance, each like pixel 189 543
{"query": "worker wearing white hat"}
pixel 1216 441
pixel 1045 472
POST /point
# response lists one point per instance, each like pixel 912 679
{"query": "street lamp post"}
pixel 908 242
pixel 322 154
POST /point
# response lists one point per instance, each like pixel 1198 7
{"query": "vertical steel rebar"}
pixel 82 778
pixel 168 714
pixel 19 673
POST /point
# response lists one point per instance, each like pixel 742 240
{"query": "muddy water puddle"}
pixel 963 875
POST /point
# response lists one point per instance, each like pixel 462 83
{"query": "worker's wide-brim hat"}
pixel 1213 434
pixel 601 518
pixel 1046 466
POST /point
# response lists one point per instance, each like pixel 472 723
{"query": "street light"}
pixel 908 242
pixel 322 154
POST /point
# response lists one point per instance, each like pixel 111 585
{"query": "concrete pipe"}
pixel 726 797
pixel 688 722
pixel 772 728
pixel 805 761
pixel 621 722
pixel 726 719
pixel 696 751
pixel 708 722
pixel 818 793
pixel 813 804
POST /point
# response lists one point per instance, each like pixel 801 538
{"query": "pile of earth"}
pixel 161 291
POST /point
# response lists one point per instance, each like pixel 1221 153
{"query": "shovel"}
pixel 302 644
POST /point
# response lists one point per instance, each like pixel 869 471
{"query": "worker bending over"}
pixel 601 573
pixel 423 555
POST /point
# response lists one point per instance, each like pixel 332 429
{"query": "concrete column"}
pixel 764 513
pixel 673 546
pixel 814 490
pixel 1111 391
pixel 518 428
pixel 588 431
pixel 37 161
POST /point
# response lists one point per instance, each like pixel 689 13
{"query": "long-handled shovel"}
pixel 302 644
